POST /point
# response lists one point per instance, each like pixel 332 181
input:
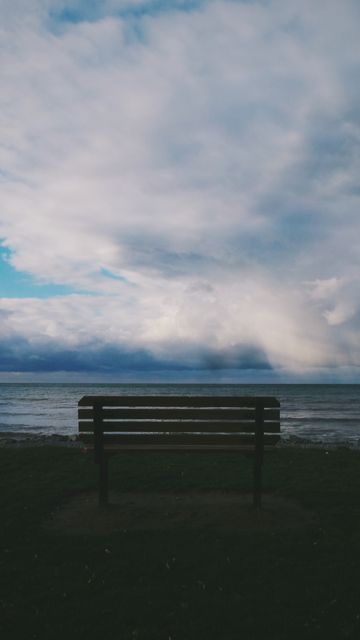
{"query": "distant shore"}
pixel 11 439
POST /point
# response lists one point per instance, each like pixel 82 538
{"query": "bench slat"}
pixel 160 413
pixel 179 447
pixel 180 426
pixel 143 440
pixel 178 401
pixel 174 414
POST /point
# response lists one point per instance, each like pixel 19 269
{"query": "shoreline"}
pixel 14 439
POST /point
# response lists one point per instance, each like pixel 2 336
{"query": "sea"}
pixel 310 413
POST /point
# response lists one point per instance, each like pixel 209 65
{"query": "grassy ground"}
pixel 181 584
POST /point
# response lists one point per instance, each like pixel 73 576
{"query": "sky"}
pixel 179 190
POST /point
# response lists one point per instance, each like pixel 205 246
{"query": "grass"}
pixel 301 583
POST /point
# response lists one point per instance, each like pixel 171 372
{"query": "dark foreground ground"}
pixel 180 555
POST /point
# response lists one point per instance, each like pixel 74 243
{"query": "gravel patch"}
pixel 164 511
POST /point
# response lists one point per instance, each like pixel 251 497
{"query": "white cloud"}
pixel 182 323
pixel 323 289
pixel 214 147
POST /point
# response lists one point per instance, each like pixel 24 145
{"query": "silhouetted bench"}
pixel 112 424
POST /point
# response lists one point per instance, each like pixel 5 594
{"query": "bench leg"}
pixel 257 484
pixel 103 482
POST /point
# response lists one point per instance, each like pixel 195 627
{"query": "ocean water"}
pixel 316 413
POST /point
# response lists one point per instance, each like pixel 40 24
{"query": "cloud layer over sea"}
pixel 189 172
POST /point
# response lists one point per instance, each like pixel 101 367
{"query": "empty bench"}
pixel 114 424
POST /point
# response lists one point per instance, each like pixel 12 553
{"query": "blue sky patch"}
pixel 111 275
pixel 17 284
pixel 93 10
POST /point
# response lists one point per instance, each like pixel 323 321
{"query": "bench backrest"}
pixel 179 422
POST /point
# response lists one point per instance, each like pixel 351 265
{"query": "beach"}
pixel 12 439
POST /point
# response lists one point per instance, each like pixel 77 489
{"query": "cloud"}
pixel 229 325
pixel 189 167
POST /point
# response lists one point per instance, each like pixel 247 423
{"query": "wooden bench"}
pixel 111 424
